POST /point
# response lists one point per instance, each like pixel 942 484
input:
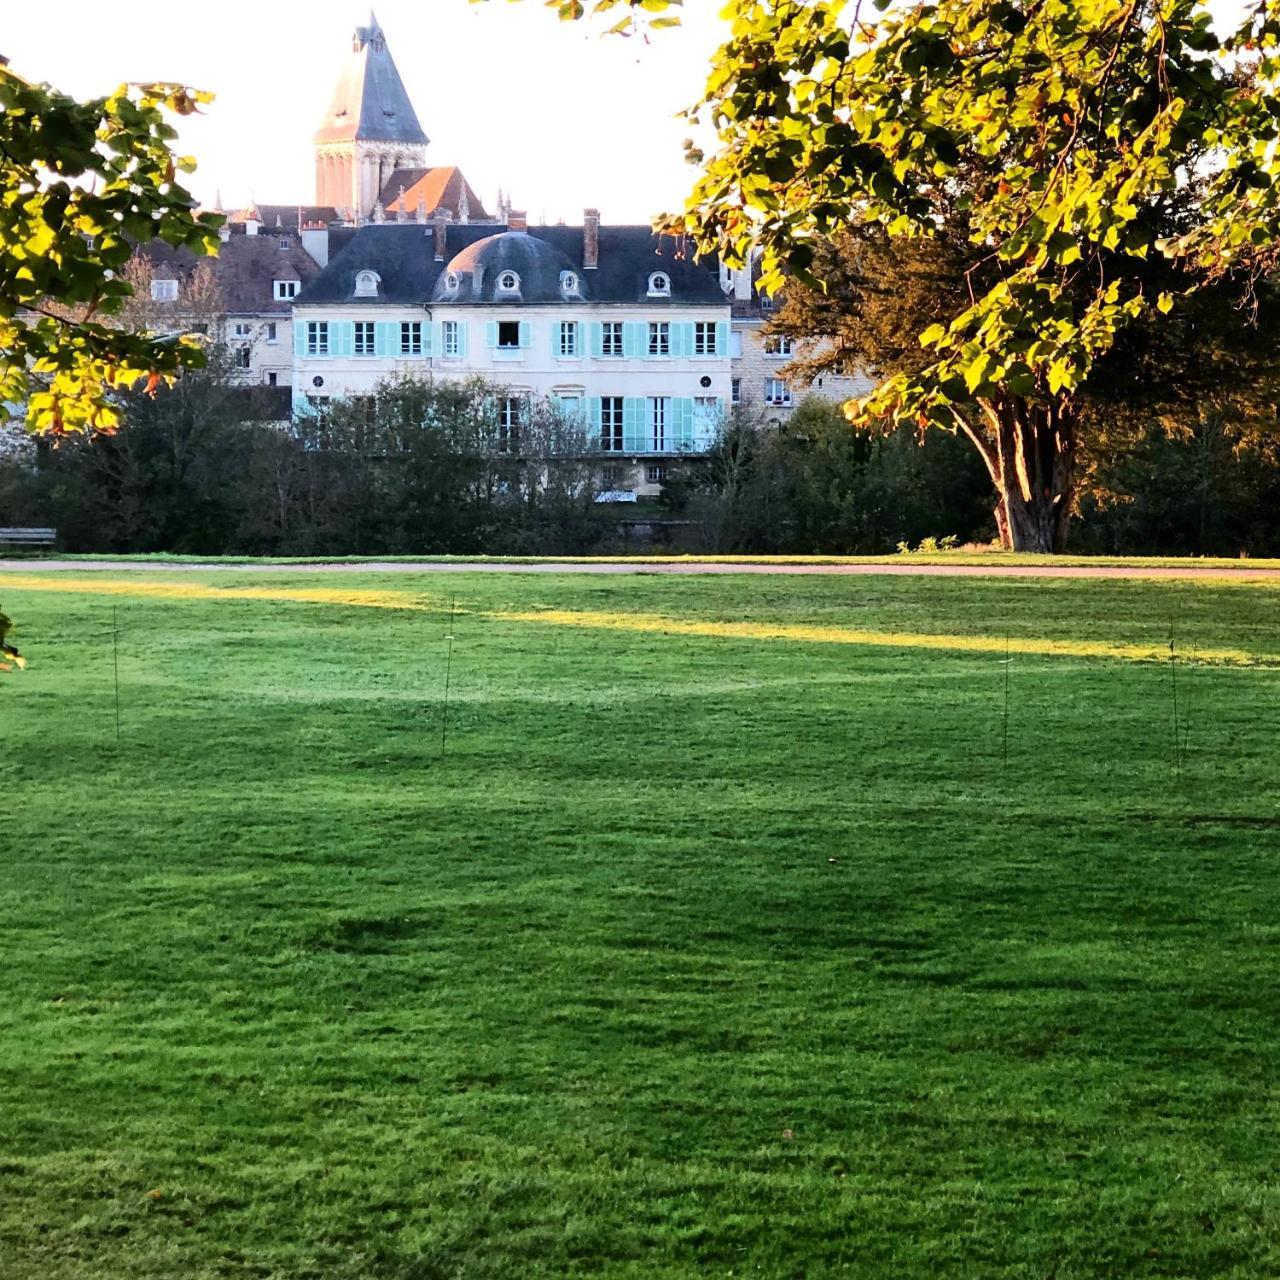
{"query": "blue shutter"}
pixel 706 425
pixel 526 334
pixel 299 337
pixel 633 425
pixel 722 339
pixel 386 338
pixel 635 339
pixel 431 345
pixel 682 340
pixel 597 346
pixel 554 326
pixel 593 421
pixel 682 413
pixel 462 339
pixel 491 334
pixel 342 337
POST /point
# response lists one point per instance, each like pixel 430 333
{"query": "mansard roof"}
pixel 403 256
pixel 441 188
pixel 370 103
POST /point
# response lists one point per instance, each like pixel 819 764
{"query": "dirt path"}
pixel 448 566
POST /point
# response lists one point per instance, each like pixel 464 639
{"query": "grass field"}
pixel 716 938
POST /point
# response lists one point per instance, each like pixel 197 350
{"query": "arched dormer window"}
pixel 508 282
pixel 367 283
pixel 451 282
pixel 569 284
pixel 659 285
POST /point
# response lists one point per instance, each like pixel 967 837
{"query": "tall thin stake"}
pixel 1177 723
pixel 115 660
pixel 1007 661
pixel 448 672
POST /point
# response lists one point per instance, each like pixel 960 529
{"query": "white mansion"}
pixel 399 269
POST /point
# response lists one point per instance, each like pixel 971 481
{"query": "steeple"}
pixel 370 130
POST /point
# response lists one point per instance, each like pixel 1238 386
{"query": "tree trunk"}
pixel 1032 465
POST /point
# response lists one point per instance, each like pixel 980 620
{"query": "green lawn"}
pixel 735 950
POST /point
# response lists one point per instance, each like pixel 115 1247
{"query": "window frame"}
pixel 611 329
pixel 168 291
pixel 244 357
pixel 779 346
pixel 783 400
pixel 317 338
pixel 285 290
pixel 705 338
pixel 659 338
pixel 655 473
pixel 408 341
pixel 568 329
pixel 659 423
pixel 510 416
pixel 659 285
pixel 451 339
pixel 508 281
pixel 365 343
pixel 611 420
pixel 510 326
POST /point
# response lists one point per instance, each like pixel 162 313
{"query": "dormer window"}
pixel 284 243
pixel 367 283
pixel 659 285
pixel 509 282
pixel 164 291
pixel 451 282
pixel 569 284
pixel 284 290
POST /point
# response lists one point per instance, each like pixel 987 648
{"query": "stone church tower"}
pixel 370 131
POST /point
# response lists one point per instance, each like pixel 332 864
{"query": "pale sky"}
pixel 557 115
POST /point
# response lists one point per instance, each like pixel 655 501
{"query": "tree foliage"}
pixel 1056 134
pixel 81 183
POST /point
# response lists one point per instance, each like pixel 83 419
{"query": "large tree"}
pixel 1057 133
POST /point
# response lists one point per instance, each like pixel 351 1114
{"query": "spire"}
pixel 370 103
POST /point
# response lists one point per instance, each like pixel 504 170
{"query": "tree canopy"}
pixel 1055 137
pixel 81 184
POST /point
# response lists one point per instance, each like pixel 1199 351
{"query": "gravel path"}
pixel 892 569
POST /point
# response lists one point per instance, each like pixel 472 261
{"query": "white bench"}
pixel 28 537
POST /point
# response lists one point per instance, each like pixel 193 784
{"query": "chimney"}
pixel 517 220
pixel 251 224
pixel 590 239
pixel 442 219
pixel 315 240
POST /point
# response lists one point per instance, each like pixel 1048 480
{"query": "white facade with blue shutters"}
pixel 650 376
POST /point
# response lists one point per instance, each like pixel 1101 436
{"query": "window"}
pixel 451 282
pixel 284 242
pixel 735 345
pixel 570 407
pixel 611 424
pixel 367 284
pixel 568 283
pixel 509 282
pixel 656 473
pixel 317 337
pixel 164 291
pixel 272 378
pixel 411 338
pixel 243 329
pixel 508 334
pixel 659 285
pixel 611 338
pixel 364 338
pixel 776 392
pixel 567 342
pixel 766 302
pixel 659 415
pixel 271 331
pixel 609 476
pixel 704 338
pixel 242 357
pixel 660 339
pixel 450 339
pixel 284 290
pixel 778 344
pixel 736 392
pixel 508 423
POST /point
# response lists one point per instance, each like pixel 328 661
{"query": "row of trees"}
pixel 428 468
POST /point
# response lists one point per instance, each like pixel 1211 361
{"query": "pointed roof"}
pixel 435 190
pixel 370 103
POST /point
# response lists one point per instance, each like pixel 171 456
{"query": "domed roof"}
pixel 541 271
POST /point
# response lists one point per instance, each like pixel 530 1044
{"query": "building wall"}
pixel 267 355
pixel 755 366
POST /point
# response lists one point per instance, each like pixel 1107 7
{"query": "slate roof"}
pixel 245 270
pixel 285 216
pixel 441 188
pixel 370 103
pixel 403 255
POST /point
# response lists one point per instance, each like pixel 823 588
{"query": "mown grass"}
pixel 685 954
